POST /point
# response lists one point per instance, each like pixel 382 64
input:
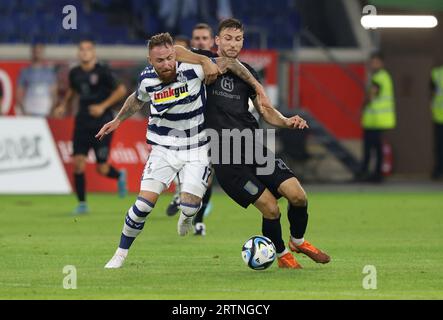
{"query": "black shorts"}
pixel 242 183
pixel 84 139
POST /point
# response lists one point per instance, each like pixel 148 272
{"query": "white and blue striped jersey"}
pixel 176 119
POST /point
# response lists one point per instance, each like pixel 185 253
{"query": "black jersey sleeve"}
pixel 71 81
pixel 252 93
pixel 207 53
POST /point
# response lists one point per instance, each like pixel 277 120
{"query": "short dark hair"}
pixel 161 39
pixel 37 44
pixel 378 55
pixel 86 40
pixel 230 23
pixel 204 26
pixel 183 38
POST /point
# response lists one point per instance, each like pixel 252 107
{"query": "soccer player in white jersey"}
pixel 176 132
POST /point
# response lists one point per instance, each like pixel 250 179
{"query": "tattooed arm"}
pixel 130 107
pixel 276 119
pixel 236 67
pixel 223 64
pixel 210 69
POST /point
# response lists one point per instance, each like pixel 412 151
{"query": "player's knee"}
pixel 79 170
pixel 79 164
pixel 79 167
pixel 298 198
pixel 102 169
pixel 190 209
pixel 271 210
pixel 142 207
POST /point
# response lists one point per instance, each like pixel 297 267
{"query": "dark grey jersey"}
pixel 228 101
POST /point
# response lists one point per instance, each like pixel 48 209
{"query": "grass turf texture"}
pixel 399 233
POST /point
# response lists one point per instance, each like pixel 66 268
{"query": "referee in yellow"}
pixel 378 116
pixel 437 117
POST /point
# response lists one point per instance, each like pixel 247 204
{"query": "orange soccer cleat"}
pixel 312 252
pixel 288 261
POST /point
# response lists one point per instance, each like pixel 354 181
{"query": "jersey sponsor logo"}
pixel 171 94
pixel 227 83
pixel 93 79
pixel 181 77
pixel 251 188
pixel 226 95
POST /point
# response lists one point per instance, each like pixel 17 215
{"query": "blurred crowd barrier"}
pixel 35 156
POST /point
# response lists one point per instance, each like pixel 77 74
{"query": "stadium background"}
pixel 311 55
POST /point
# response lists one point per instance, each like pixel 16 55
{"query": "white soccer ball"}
pixel 258 253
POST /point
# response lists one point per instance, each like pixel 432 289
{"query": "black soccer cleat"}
pixel 173 206
pixel 200 229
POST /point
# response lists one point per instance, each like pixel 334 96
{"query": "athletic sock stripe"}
pixel 190 205
pixel 139 213
pixel 132 224
pixel 147 202
pixel 135 217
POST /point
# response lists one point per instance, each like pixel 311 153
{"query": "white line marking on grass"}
pixel 8 284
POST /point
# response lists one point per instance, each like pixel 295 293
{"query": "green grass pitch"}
pixel 401 234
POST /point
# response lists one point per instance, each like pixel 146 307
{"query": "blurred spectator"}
pixel 221 9
pixel 37 86
pixel 170 11
pixel 224 10
pixel 437 116
pixel 183 41
pixel 378 116
pixel 202 37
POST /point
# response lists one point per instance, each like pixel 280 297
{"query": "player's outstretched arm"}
pixel 210 69
pixel 276 119
pixel 236 67
pixel 130 107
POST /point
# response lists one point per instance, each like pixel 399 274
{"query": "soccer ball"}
pixel 258 253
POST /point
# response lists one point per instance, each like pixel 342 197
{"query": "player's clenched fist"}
pixel 296 122
pixel 108 128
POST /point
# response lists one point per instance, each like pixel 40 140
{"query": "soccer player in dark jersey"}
pixel 227 108
pixel 176 132
pixel 98 90
pixel 202 39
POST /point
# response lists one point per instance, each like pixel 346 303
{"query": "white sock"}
pixel 298 242
pixel 122 252
pixel 281 254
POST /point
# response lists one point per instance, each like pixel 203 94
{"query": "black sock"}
pixel 113 173
pixel 298 220
pixel 199 215
pixel 79 180
pixel 272 230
